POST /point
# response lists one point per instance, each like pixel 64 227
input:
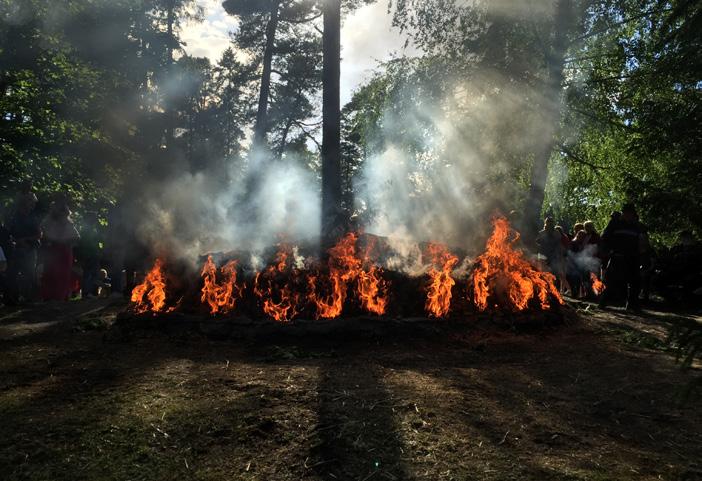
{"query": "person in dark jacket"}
pixel 6 245
pixel 622 240
pixel 24 227
pixel 574 268
pixel 89 254
pixel 550 244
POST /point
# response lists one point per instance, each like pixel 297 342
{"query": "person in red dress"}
pixel 59 237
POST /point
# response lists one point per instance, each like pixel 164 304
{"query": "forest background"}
pixel 543 107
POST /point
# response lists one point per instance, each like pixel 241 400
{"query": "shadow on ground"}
pixel 569 403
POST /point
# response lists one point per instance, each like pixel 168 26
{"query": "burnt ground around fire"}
pixel 594 399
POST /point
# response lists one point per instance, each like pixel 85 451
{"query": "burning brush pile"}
pixel 353 282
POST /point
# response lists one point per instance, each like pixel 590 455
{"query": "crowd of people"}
pixel 623 257
pixel 573 257
pixel 46 256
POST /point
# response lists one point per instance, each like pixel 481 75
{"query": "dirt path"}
pixel 592 401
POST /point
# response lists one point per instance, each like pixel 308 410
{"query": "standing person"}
pixel 3 268
pixel 592 237
pixel 615 216
pixel 647 261
pixel 24 228
pixel 116 243
pixel 26 193
pixel 550 244
pixel 89 254
pixel 60 235
pixel 6 244
pixel 622 239
pixel 574 270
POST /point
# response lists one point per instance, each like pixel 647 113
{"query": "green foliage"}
pixel 633 125
pixel 92 97
pixel 441 125
pixel 632 84
pixel 94 93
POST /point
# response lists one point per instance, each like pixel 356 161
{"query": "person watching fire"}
pixel 60 235
pixel 25 231
pixel 622 239
pixel 550 245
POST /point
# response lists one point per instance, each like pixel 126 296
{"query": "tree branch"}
pixel 313 124
pixel 599 119
pixel 302 20
pixel 307 134
pixel 620 23
pixel 569 153
pixel 595 57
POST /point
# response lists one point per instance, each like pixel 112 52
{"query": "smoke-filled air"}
pixel 449 143
pixel 358 240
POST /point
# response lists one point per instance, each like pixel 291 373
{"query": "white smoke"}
pixel 467 162
pixel 195 214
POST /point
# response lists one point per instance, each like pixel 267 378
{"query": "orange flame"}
pixel 220 297
pixel 150 295
pixel 598 286
pixel 264 287
pixel 439 291
pixel 503 271
pixel 372 290
pixel 344 268
pixel 330 306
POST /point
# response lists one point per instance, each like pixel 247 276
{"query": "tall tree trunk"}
pixel 284 136
pixel 331 125
pixel 258 154
pixel 261 126
pixel 551 114
pixel 170 115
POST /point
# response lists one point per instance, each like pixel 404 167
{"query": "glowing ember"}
pixel 503 272
pixel 439 291
pixel 279 303
pixel 150 295
pixel 221 296
pixel 598 286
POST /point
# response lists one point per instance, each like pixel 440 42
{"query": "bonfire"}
pixel 503 274
pixel 352 282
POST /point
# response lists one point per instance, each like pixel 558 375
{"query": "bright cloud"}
pixel 367 37
pixel 209 38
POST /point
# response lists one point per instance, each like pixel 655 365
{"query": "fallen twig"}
pixel 369 476
pixel 317 464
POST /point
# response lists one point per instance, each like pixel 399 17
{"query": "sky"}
pixel 366 38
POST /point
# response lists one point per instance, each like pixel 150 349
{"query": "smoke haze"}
pixel 195 214
pixel 452 151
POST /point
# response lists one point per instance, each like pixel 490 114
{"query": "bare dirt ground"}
pixel 595 400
